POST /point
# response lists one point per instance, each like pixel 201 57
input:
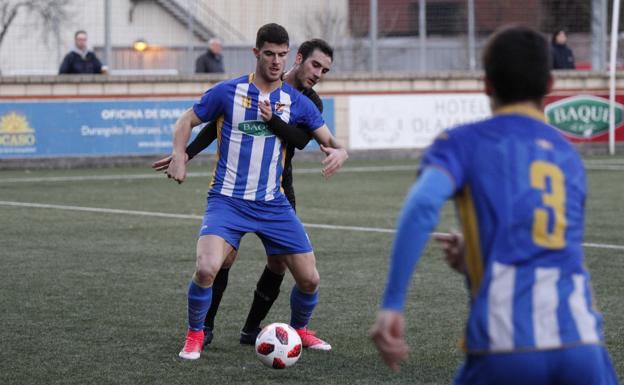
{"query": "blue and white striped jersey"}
pixel 249 156
pixel 520 189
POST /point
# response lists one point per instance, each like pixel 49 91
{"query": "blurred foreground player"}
pixel 520 189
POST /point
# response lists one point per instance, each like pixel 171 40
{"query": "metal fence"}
pixel 412 35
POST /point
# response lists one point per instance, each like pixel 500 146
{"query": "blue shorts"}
pixel 275 223
pixel 582 365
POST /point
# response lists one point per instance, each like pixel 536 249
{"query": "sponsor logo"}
pixel 255 128
pixel 582 116
pixel 15 132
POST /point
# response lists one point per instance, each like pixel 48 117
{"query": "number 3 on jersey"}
pixel 553 198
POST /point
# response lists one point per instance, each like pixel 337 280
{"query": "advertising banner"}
pixel 585 118
pixel 409 121
pixel 97 128
pixel 413 121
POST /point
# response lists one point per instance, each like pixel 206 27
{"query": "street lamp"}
pixel 140 45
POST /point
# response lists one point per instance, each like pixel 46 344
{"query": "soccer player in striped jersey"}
pixel 520 189
pixel 313 61
pixel 245 194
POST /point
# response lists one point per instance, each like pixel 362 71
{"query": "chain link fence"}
pixel 413 35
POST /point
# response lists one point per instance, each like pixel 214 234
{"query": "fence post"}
pixel 189 48
pixel 373 35
pixel 598 34
pixel 108 50
pixel 422 34
pixel 472 62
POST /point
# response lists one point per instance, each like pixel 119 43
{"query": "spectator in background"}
pixel 80 60
pixel 212 60
pixel 563 58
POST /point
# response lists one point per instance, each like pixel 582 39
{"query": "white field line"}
pixel 598 165
pixel 605 167
pixel 197 217
pixel 80 178
pixel 156 175
pixel 619 161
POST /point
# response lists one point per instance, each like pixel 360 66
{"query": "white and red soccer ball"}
pixel 278 346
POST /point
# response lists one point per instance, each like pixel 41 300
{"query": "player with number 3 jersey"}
pixel 520 190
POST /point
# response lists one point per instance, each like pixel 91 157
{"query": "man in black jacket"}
pixel 562 56
pixel 80 60
pixel 212 60
pixel 313 61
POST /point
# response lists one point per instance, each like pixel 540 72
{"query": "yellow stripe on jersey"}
pixel 472 245
pixel 521 109
pixel 214 171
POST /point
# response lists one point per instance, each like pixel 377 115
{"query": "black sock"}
pixel 266 293
pixel 218 287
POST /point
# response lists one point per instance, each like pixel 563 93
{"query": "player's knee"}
pixel 205 276
pixel 206 270
pixel 309 283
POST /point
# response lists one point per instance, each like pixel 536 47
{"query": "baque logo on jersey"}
pixel 15 132
pixel 255 128
pixel 582 116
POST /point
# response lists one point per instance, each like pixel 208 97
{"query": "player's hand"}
pixel 265 110
pixel 453 246
pixel 388 335
pixel 177 168
pixel 161 164
pixel 334 160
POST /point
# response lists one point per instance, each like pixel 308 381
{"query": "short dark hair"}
pixel 307 47
pixel 79 32
pixel 517 63
pixel 553 38
pixel 271 33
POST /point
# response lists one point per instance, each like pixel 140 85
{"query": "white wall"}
pixel 295 15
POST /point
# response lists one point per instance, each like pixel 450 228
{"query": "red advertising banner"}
pixel 585 118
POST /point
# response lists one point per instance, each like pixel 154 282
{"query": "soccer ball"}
pixel 278 345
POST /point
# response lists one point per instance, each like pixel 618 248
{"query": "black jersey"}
pixel 287 177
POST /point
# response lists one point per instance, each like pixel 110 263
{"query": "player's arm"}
pixel 336 153
pixel 181 134
pixel 206 136
pixel 209 107
pixel 298 136
pixel 418 218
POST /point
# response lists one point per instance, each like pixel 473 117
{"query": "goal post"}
pixel 612 71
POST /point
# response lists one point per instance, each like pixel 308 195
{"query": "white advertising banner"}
pixel 409 121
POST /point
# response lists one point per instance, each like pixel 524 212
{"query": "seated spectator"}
pixel 80 60
pixel 211 60
pixel 562 56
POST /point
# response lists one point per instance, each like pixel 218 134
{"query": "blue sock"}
pixel 199 300
pixel 301 307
